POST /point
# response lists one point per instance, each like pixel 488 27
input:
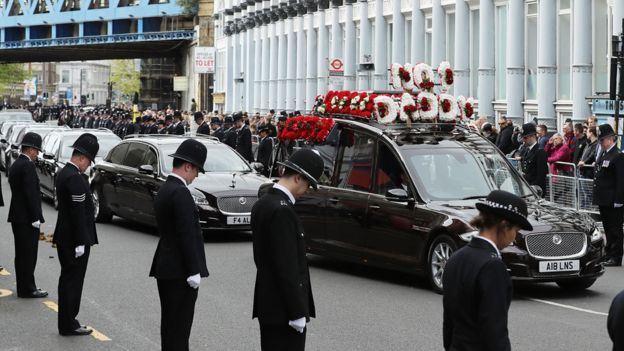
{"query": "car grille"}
pixel 544 245
pixel 232 204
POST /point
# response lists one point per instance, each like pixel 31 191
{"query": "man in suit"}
pixel 504 139
pixel 243 138
pixel 25 215
pixel 609 193
pixel 75 232
pixel 615 322
pixel 202 125
pixel 265 150
pixel 177 127
pixel 533 159
pixel 180 261
pixel 229 133
pixel 283 301
pixel 477 286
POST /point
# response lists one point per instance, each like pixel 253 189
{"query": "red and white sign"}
pixel 204 59
pixel 336 67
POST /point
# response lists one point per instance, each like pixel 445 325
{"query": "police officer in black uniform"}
pixel 229 134
pixel 265 149
pixel 177 127
pixel 168 125
pixel 25 215
pixel 218 130
pixel 243 138
pixel 203 127
pixel 609 192
pixel 534 161
pixel 75 232
pixel 180 261
pixel 477 286
pixel 283 301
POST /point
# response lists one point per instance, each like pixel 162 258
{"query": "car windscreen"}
pixel 220 158
pixel 459 173
pixel 15 116
pixel 106 142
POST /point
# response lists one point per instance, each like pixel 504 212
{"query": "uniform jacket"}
pixel 535 166
pixel 203 128
pixel 609 173
pixel 219 133
pixel 177 129
pixel 477 295
pixel 180 252
pixel 615 322
pixel 265 150
pixel 229 137
pixel 153 129
pixel 243 143
pixel 589 157
pixel 283 291
pixel 75 224
pixel 25 196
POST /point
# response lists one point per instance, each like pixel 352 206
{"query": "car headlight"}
pixel 598 235
pixel 200 200
pixel 468 236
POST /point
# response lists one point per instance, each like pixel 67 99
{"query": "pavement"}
pixel 358 307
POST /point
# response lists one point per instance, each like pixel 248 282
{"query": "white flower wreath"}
pixel 423 77
pixel 461 103
pixel 451 114
pixel 407 100
pixel 392 109
pixel 355 103
pixel 444 78
pixel 432 101
pixel 395 80
pixel 409 84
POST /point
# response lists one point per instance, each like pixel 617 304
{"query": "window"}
pixel 357 157
pixel 118 153
pixel 501 52
pixel 531 52
pixel 564 65
pixel 474 54
pixel 601 45
pixel 151 158
pixel 48 148
pixel 135 155
pixel 328 151
pixel 65 76
pixel 390 174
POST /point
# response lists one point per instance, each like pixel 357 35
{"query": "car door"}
pixel 147 186
pixel 127 189
pixel 107 177
pixel 48 168
pixel 347 203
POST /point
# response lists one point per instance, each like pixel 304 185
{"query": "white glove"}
pixel 36 224
pixel 298 324
pixel 79 251
pixel 193 281
pixel 617 205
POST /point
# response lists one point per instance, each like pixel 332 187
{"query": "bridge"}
pixel 67 30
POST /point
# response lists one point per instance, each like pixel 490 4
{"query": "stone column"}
pixel 381 63
pixel 229 80
pixel 323 42
pixel 336 42
pixel 291 63
pixel 618 15
pixel 257 57
pixel 364 77
pixel 582 59
pixel 486 57
pixel 265 62
pixel 311 57
pixel 237 60
pixel 282 54
pixel 418 33
pixel 300 92
pixel 515 60
pixel 398 34
pixel 547 63
pixel 250 67
pixel 462 49
pixel 438 34
pixel 273 48
pixel 350 59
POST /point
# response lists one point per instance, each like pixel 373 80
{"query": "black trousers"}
pixel 26 248
pixel 73 271
pixel 278 337
pixel 177 305
pixel 612 220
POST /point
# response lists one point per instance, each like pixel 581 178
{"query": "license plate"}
pixel 238 220
pixel 559 266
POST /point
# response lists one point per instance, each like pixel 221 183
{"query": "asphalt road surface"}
pixel 358 308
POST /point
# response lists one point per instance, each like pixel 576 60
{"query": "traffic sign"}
pixel 336 67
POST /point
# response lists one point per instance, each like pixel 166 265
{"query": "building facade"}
pixel 83 82
pixel 523 59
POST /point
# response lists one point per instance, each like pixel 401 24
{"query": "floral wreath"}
pixel 409 109
pixel 447 105
pixel 446 76
pixel 319 104
pixel 406 75
pixel 428 105
pixel 466 107
pixel 423 77
pixel 386 109
pixel 310 128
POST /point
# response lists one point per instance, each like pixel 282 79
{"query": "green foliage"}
pixel 125 77
pixel 190 7
pixel 11 74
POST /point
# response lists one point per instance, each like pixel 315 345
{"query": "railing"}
pixel 569 189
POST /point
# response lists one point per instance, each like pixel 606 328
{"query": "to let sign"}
pixel 204 59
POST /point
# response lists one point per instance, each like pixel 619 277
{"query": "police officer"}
pixel 203 127
pixel 477 286
pixel 534 161
pixel 215 128
pixel 180 261
pixel 177 127
pixel 25 215
pixel 243 137
pixel 609 192
pixel 283 301
pixel 615 321
pixel 265 150
pixel 75 232
pixel 229 133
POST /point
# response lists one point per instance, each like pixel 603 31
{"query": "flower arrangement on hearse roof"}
pixel 416 100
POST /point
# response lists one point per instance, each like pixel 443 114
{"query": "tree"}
pixel 11 74
pixel 189 7
pixel 125 77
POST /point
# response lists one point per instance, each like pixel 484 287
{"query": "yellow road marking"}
pixel 5 292
pixel 96 334
pixel 4 272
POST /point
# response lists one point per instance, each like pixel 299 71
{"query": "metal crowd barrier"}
pixel 569 189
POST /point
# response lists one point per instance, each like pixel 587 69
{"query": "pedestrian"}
pixel 542 131
pixel 193 106
pixel 25 215
pixel 609 193
pixel 568 135
pixel 586 164
pixel 477 286
pixel 283 301
pixel 489 132
pixel 581 142
pixel 215 126
pixel 558 151
pixel 265 150
pixel 75 232
pixel 533 159
pixel 243 137
pixel 202 126
pixel 505 132
pixel 180 261
pixel 229 133
pixel 615 322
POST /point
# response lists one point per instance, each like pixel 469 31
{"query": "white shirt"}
pixel 491 243
pixel 179 177
pixel 285 191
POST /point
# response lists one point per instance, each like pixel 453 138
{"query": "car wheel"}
pixel 578 284
pixel 100 211
pixel 440 250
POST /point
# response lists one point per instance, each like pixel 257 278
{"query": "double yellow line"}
pixel 96 334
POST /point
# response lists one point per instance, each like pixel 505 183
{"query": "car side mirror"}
pixel 146 169
pixel 398 195
pixel 257 166
pixel 14 147
pixel 538 190
pixel 48 156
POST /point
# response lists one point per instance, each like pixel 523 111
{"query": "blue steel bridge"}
pixel 67 30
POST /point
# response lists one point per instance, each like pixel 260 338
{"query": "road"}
pixel 358 308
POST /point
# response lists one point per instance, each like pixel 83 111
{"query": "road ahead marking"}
pixel 96 334
pixel 567 306
pixel 4 272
